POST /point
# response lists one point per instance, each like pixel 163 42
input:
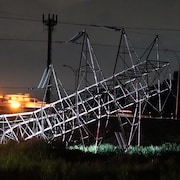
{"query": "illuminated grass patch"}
pixel 146 151
pixel 37 159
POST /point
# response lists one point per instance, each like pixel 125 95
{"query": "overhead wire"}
pixel 79 24
pixel 19 19
pixel 117 28
pixel 91 25
pixel 76 43
pixel 23 40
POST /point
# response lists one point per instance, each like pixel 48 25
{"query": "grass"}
pixel 36 159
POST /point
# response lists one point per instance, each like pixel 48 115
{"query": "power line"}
pixel 20 19
pixel 116 28
pixel 94 25
pixel 65 42
pixel 22 40
pixel 19 87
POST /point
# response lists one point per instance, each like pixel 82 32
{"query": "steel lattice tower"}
pixel 98 106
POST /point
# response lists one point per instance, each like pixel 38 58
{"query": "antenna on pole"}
pixel 50 22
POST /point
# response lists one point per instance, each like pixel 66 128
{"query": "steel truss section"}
pixel 86 116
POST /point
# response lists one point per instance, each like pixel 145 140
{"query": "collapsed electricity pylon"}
pixel 86 116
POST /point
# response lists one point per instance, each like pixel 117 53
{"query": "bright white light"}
pixel 15 105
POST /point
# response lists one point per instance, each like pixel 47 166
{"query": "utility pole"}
pixel 50 22
pixel 177 94
pixel 177 84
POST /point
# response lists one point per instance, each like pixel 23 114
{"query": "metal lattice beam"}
pixel 84 116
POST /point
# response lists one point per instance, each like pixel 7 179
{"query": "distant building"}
pixel 16 103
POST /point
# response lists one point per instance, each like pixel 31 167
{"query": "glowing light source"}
pixel 15 105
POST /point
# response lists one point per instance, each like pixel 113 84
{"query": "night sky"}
pixel 23 37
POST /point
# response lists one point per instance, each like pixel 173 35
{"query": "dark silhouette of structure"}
pixel 50 22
